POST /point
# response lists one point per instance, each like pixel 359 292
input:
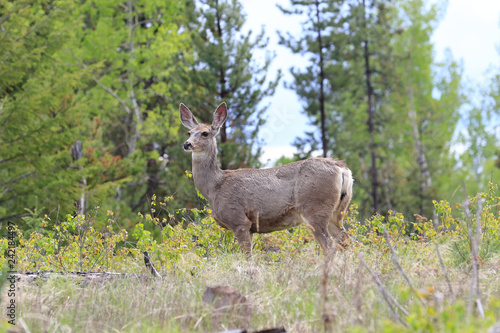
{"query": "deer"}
pixel 315 191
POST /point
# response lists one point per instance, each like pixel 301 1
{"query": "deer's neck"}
pixel 206 173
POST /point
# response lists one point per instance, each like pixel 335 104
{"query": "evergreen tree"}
pixel 39 111
pixel 322 40
pixel 427 96
pixel 479 157
pixel 346 83
pixel 371 31
pixel 383 95
pixel 135 47
pixel 225 70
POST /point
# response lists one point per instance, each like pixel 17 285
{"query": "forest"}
pixel 89 95
pixel 94 181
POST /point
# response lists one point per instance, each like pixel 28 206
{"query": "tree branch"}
pixel 150 266
pixel 445 272
pixel 109 91
pixel 398 265
pixel 15 216
pixel 112 93
pixel 18 178
pixel 385 294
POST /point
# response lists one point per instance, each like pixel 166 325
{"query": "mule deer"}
pixel 316 191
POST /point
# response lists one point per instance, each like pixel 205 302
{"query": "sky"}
pixel 469 28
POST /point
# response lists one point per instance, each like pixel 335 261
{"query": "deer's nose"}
pixel 187 145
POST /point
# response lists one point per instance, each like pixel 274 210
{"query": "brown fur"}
pixel 316 191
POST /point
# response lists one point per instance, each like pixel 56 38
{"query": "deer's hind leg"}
pixel 319 222
pixel 335 226
pixel 338 233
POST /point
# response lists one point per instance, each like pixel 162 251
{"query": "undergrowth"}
pixel 288 282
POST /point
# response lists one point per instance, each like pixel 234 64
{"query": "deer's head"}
pixel 202 136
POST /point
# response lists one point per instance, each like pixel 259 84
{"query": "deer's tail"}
pixel 346 190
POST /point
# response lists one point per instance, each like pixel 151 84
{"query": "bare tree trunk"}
pixel 82 202
pixel 153 179
pixel 223 93
pixel 135 117
pixel 324 141
pixel 371 128
pixel 425 176
pixel 385 186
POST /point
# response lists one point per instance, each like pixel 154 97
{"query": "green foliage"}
pixel 199 236
pixel 488 240
pixel 187 245
pixel 39 112
pixel 225 69
pixel 72 245
pixel 132 47
pixel 449 319
pixel 77 243
pixel 383 53
pixel 451 227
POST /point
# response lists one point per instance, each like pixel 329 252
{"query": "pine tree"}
pixel 370 35
pixel 39 110
pixel 380 77
pixel 225 70
pixel 323 38
pixel 427 97
pixel 135 47
pixel 345 85
pixel 479 156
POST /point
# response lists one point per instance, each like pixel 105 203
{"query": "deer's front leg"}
pixel 243 236
pixel 232 216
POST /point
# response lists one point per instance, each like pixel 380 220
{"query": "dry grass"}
pixel 287 293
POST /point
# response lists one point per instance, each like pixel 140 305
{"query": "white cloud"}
pixel 469 28
pixel 272 153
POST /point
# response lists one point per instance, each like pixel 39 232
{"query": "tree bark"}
pixel 134 118
pixel 324 141
pixel 82 202
pixel 223 93
pixel 425 176
pixel 371 127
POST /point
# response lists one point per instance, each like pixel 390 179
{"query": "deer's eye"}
pixel 189 133
pixel 205 134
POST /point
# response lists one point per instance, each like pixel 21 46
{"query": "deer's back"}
pixel 274 196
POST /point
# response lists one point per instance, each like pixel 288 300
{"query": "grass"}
pixel 290 292
pixel 399 276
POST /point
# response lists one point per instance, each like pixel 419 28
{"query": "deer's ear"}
pixel 220 116
pixel 187 117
